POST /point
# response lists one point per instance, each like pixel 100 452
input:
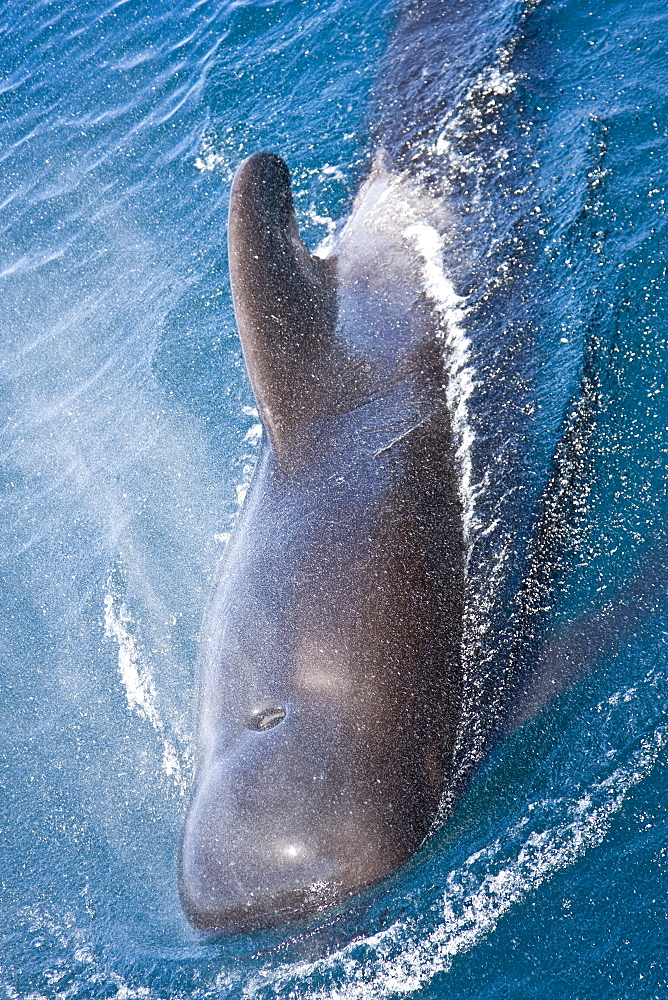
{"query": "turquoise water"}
pixel 128 435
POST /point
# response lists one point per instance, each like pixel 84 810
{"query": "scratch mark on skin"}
pixel 401 437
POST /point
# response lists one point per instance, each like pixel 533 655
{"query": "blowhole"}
pixel 267 718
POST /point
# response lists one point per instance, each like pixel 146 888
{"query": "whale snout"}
pixel 237 880
pixel 251 885
pixel 257 851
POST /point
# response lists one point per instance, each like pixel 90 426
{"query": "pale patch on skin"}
pixel 318 668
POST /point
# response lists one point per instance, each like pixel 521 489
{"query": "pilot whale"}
pixel 329 680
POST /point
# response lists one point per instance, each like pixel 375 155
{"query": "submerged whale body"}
pixel 329 676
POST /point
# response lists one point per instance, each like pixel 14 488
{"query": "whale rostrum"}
pixel 329 674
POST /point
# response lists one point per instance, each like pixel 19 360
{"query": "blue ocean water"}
pixel 129 435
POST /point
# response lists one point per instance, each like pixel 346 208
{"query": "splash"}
pixel 451 307
pixel 137 681
pixel 213 157
pixel 477 115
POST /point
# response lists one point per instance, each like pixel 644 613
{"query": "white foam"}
pixel 241 490
pixel 335 172
pixel 321 220
pixel 253 436
pixel 210 158
pixel 452 308
pixel 476 114
pixel 137 681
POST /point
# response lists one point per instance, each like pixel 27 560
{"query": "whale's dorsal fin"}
pixel 285 304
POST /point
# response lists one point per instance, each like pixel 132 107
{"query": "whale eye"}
pixel 266 719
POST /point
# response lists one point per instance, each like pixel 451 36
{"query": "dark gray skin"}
pixel 329 677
